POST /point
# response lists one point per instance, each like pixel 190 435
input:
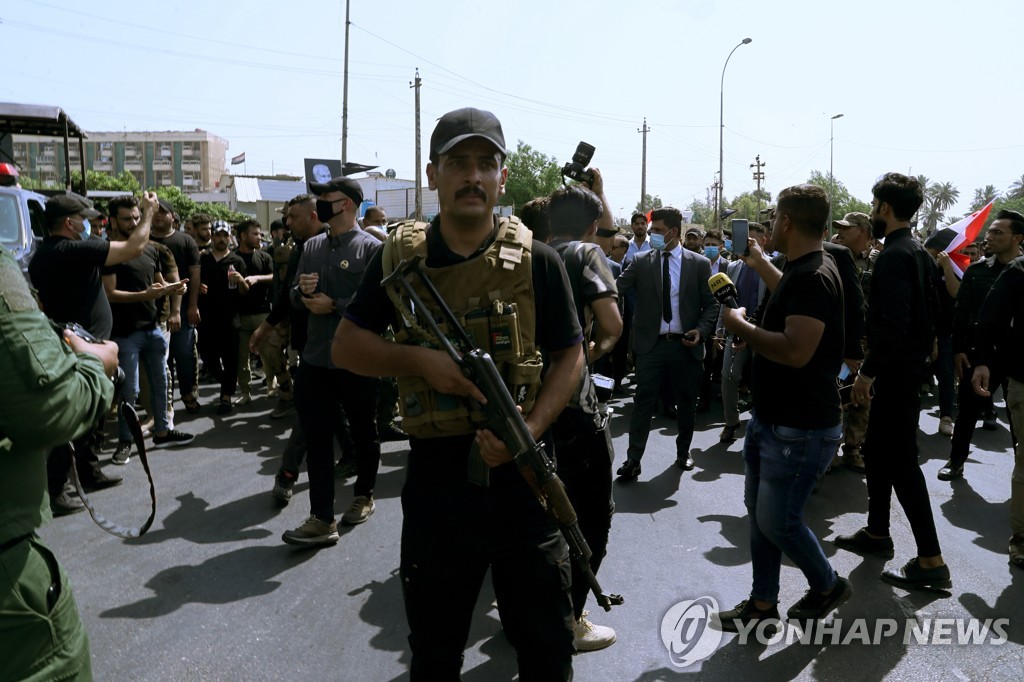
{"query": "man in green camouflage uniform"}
pixel 53 392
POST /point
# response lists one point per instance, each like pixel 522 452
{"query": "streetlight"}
pixel 831 179
pixel 721 132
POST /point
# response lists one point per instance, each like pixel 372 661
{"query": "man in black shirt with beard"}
pixel 65 271
pixel 223 273
pixel 184 318
pixel 254 305
pixel 796 424
pixel 901 333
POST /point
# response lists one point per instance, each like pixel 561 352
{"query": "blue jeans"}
pixel 782 465
pixel 185 357
pixel 150 347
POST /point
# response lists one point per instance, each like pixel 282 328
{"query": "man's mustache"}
pixel 471 191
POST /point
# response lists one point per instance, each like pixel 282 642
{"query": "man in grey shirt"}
pixel 329 272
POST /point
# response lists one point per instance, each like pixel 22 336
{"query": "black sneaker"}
pixel 64 504
pixel 744 613
pixel 815 605
pixel 282 492
pixel 951 471
pixel 629 471
pixel 97 480
pixel 913 576
pixel 862 543
pixel 390 433
pixel 346 468
pixel 123 452
pixel 989 421
pixel 174 437
pixel 225 407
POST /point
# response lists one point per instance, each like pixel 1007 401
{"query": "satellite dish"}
pixel 390 174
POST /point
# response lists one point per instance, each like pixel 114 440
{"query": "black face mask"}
pixel 325 210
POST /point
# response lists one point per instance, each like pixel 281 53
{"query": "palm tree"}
pixel 924 182
pixel 940 196
pixel 982 196
pixel 1017 188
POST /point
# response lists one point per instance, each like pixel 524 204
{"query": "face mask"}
pixel 86 229
pixel 728 245
pixel 657 241
pixel 711 251
pixel 325 210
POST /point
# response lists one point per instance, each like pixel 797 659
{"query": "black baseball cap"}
pixel 346 186
pixel 64 205
pixel 166 206
pixel 462 124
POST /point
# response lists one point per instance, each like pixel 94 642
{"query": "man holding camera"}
pixel 583 447
pixel 54 390
pixel 675 313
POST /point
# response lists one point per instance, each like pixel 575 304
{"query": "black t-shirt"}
pixel 219 300
pixel 66 273
pixel 186 253
pixel 805 397
pixel 136 275
pixel 257 301
pixel 557 327
pixel 591 279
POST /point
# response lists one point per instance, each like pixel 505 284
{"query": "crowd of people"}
pixel 827 334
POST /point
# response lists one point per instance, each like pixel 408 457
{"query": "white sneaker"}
pixel 244 399
pixel 360 510
pixel 590 637
pixel 946 426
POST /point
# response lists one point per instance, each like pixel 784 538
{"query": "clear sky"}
pixel 933 87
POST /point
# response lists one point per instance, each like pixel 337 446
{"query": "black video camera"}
pixel 577 168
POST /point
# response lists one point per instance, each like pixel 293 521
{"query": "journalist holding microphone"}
pixel 795 429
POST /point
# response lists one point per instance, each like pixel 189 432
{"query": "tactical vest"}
pixel 491 295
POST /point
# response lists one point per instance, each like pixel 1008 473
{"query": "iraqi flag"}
pixel 235 160
pixel 958 235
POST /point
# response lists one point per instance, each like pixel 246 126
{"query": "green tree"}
pixel 842 201
pixel 982 196
pixel 1017 188
pixel 649 203
pixel 749 205
pixel 97 180
pixel 939 197
pixel 703 212
pixel 185 207
pixel 531 174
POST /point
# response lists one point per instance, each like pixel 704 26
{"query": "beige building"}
pixel 193 161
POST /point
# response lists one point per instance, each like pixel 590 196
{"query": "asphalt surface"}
pixel 211 592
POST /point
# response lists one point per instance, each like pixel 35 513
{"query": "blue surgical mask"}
pixel 728 245
pixel 657 241
pixel 711 251
pixel 86 231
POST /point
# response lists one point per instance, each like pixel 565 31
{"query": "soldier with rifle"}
pixel 474 423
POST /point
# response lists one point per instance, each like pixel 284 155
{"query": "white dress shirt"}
pixel 675 261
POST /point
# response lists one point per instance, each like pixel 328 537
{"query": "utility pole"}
pixel 344 100
pixel 717 186
pixel 643 171
pixel 758 178
pixel 419 171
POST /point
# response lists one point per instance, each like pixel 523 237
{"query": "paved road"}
pixel 211 593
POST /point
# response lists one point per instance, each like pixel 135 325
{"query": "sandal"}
pixel 191 403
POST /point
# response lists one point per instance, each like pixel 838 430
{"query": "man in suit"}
pixel 675 313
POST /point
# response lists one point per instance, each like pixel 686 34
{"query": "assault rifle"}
pixel 506 421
